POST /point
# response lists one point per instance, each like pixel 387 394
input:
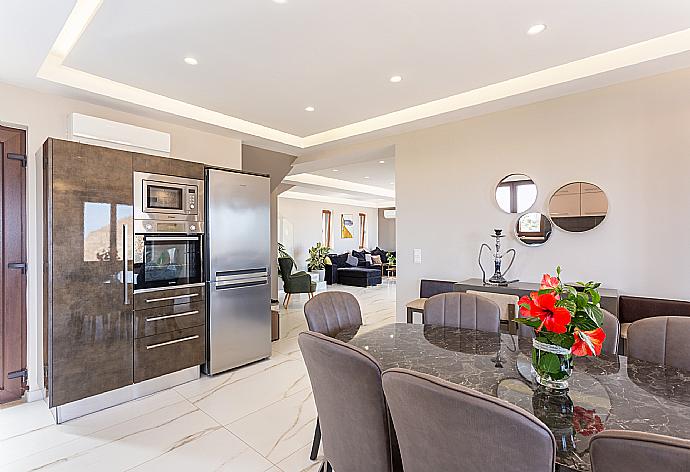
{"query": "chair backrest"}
pixel 429 288
pixel 285 264
pixel 632 451
pixel 631 309
pixel 330 312
pixel 352 409
pixel 661 340
pixel 461 310
pixel 612 328
pixel 506 303
pixel 446 427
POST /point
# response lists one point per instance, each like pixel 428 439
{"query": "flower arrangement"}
pixel 567 321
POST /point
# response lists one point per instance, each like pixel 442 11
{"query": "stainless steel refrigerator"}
pixel 237 267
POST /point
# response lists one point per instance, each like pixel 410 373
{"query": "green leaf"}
pixel 582 300
pixel 549 362
pixel 570 305
pixel 533 322
pixel 596 297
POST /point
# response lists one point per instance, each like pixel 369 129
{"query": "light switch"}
pixel 417 256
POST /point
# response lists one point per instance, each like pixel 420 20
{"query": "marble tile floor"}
pixel 259 418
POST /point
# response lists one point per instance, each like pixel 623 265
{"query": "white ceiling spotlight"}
pixel 382 162
pixel 536 29
pixel 336 170
pixel 191 61
pixel 396 78
pixel 366 177
pixel 280 2
pixel 310 109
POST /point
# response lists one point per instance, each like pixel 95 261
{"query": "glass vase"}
pixel 552 365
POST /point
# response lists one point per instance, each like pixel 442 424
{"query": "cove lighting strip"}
pixel 84 11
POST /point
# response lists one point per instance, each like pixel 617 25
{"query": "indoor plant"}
pixel 567 322
pixel 316 260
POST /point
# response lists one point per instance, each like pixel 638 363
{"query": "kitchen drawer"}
pixel 168 318
pixel 165 353
pixel 169 297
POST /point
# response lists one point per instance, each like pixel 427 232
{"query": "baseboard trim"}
pixel 105 400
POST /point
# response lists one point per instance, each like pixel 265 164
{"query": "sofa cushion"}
pixel 339 260
pixel 376 260
pixel 361 255
pixel 352 261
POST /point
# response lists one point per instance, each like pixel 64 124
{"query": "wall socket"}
pixel 417 256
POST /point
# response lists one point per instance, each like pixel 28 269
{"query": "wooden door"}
pixel 12 264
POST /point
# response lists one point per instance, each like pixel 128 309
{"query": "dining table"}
pixel 604 392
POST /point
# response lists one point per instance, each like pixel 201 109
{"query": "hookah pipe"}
pixel 498 278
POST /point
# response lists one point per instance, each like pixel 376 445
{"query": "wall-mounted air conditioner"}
pixel 390 214
pixel 101 132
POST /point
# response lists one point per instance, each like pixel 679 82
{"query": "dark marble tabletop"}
pixel 606 392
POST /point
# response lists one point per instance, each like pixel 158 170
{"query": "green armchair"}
pixel 299 282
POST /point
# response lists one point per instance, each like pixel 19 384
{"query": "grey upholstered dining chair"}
pixel 661 340
pixel 632 451
pixel 462 310
pixel 328 313
pixel 611 327
pixel 356 427
pixel 446 427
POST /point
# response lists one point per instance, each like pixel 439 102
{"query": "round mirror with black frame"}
pixel 578 207
pixel 516 193
pixel 533 229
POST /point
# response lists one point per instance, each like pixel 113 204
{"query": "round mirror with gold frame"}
pixel 578 207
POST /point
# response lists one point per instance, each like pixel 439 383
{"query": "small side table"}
pixel 390 270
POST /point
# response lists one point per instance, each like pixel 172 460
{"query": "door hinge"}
pixel 18 265
pixel 17 157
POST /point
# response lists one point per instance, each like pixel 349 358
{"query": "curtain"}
pixel 326 228
pixel 362 229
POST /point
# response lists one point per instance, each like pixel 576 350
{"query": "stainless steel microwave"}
pixel 165 197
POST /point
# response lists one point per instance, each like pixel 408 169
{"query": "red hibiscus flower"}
pixel 548 282
pixel 553 318
pixel 588 343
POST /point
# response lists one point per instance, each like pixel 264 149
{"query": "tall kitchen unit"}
pixel 238 269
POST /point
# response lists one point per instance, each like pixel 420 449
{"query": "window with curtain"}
pixel 362 230
pixel 326 228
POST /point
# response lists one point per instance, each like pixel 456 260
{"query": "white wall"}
pixel 631 139
pixel 386 232
pixel 304 220
pixel 44 116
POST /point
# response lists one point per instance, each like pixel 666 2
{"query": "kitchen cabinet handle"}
pixel 174 341
pixel 124 263
pixel 165 317
pixel 151 300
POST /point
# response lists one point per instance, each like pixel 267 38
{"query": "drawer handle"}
pixel 175 341
pixel 151 300
pixel 165 317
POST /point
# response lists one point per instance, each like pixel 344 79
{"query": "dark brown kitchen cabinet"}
pixel 88 312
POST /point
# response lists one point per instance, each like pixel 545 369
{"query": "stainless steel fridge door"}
pixel 238 222
pixel 240 323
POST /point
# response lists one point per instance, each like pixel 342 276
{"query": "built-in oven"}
pixel 167 260
pixel 165 197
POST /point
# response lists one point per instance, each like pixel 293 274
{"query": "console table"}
pixel 609 297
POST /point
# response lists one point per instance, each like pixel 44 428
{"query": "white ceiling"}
pixel 367 173
pixel 261 63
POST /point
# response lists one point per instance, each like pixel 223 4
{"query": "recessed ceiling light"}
pixel 336 170
pixel 395 79
pixel 309 109
pixel 366 177
pixel 280 1
pixel 382 162
pixel 392 183
pixel 536 29
pixel 191 61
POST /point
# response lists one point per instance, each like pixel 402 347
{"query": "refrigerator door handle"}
pixel 241 283
pixel 242 276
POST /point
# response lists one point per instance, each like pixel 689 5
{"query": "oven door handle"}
pixel 171 238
